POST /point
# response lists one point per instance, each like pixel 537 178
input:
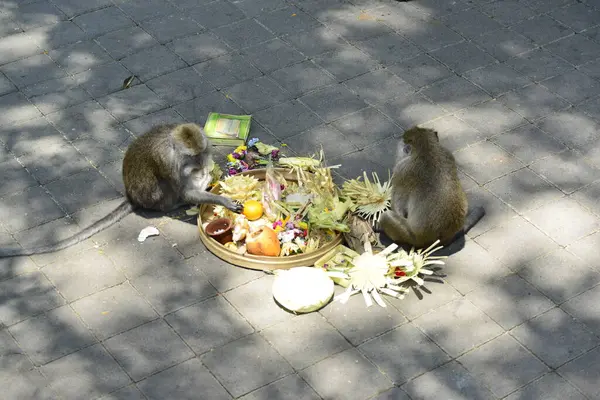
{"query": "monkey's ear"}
pixel 191 138
pixel 407 149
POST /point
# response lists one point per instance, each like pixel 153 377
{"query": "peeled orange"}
pixel 253 210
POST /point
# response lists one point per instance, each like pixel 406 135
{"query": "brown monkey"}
pixel 165 168
pixel 428 201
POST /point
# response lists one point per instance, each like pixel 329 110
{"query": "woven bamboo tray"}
pixel 260 262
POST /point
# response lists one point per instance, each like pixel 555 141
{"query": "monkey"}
pixel 163 169
pixel 428 202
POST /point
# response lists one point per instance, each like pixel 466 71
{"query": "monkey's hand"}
pixel 201 197
pixel 235 206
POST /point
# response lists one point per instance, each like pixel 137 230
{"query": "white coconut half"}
pixel 302 289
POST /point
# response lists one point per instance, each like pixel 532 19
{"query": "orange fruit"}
pixel 253 210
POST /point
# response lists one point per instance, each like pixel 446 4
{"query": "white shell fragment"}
pixel 146 232
pixel 302 289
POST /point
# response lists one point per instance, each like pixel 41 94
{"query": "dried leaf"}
pixel 128 81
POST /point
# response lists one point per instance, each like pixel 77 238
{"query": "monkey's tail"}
pixel 473 217
pixel 117 214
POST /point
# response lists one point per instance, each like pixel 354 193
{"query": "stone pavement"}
pixel 512 86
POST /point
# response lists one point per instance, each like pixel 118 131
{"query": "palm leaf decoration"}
pixel 370 198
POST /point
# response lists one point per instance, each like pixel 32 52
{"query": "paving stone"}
pixel 113 310
pixel 589 198
pixel 25 296
pixel 254 301
pixel 356 25
pixel 197 48
pixel 365 127
pixel 184 381
pixel 257 94
pixel 346 62
pixel 6 86
pixel 152 62
pixel 333 102
pixel 550 386
pixel 517 188
pixel 32 70
pixel 253 8
pixel 577 16
pixel 9 27
pixel 584 308
pixel 455 93
pixel 57 35
pixel 78 278
pixel 533 102
pixel 545 5
pixel 287 119
pixel 509 12
pixel 389 49
pixel 26 385
pixel 419 353
pixel 591 108
pixel 555 337
pixel 14 266
pixel 145 9
pixel 169 27
pixel 34 14
pixel 13 360
pixel 230 363
pixel 511 368
pixel 567 170
pixel 125 41
pixel 392 394
pixel 333 142
pixel 357 322
pixel 573 128
pixel 103 21
pixel 449 381
pixel 132 103
pixel 445 326
pixel 98 152
pixel 28 209
pixel 463 57
pixel 509 301
pixel 127 393
pixel 528 143
pixel 585 249
pixel 243 34
pixel 80 190
pixel 538 64
pixel 17 46
pixel 438 36
pixel 272 55
pixel 216 14
pixel 504 43
pixel 227 70
pixel 292 387
pixel 420 71
pixel 113 172
pixel 169 290
pixel 183 236
pixel 495 164
pixel 465 274
pixel 497 213
pixel 103 80
pixel 52 335
pixel 57 94
pixel 592 33
pixel 573 86
pixel 288 20
pixel 143 124
pixel 333 377
pixel 378 86
pixel 302 77
pixel 576 49
pixel 497 79
pixel 33 136
pixel 89 372
pixel 315 41
pixel 50 233
pixel 471 22
pixel 198 109
pixel 481 115
pixel 542 29
pixel 147 349
pixel 569 221
pixel 305 340
pixel 353 165
pixel 73 7
pixel 209 325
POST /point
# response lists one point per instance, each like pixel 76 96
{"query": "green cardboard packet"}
pixel 226 129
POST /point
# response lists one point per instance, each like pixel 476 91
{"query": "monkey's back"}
pixel 442 207
pixel 146 170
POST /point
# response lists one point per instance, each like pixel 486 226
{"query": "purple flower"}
pixel 232 171
pixel 289 225
pixel 236 156
pixel 275 153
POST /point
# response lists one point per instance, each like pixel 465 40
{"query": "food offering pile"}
pixel 286 217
